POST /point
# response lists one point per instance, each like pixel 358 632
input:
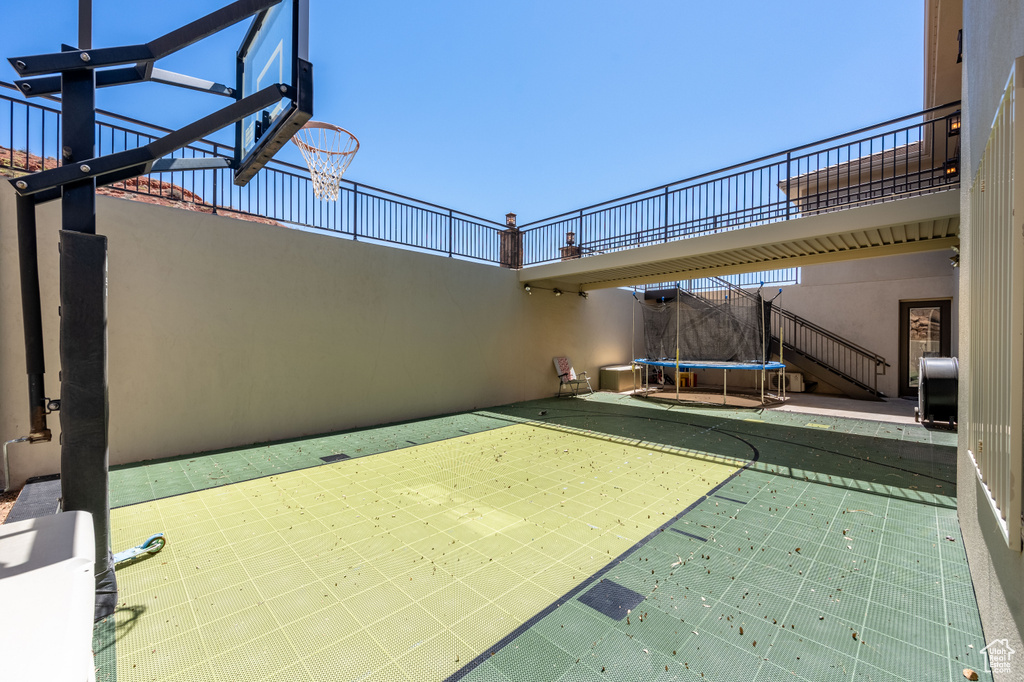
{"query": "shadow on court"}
pixel 887 464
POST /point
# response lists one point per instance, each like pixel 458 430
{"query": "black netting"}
pixel 728 330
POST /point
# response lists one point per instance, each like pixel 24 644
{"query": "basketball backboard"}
pixel 275 52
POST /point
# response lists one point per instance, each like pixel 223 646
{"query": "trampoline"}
pixel 712 330
pixel 687 365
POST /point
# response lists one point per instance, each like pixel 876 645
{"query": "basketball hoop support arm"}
pixel 142 56
pixel 139 161
pixel 48 85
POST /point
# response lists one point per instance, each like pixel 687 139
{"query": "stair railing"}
pixel 833 352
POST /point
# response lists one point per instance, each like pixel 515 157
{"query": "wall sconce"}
pixel 558 292
pixel 583 294
pixel 570 238
pixel 510 220
pixel 953 125
pixel 952 168
pixel 526 288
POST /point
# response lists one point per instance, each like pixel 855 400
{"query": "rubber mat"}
pixel 39 497
pixel 405 565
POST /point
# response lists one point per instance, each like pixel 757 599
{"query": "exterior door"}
pixel 924 333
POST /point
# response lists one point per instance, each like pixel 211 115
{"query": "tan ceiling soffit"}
pixel 943 19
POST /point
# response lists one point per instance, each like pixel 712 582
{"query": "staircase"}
pixel 814 350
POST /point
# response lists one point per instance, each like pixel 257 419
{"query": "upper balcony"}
pixel 910 157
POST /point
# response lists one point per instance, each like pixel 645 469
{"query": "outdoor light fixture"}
pixel 526 288
pixel 558 292
pixel 510 220
pixel 583 294
pixel 954 125
pixel 952 168
pixel 570 238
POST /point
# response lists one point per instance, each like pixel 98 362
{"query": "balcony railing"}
pixel 911 155
pixel 908 156
pixel 281 192
pixel 767 278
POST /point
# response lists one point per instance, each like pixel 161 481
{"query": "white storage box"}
pixel 48 594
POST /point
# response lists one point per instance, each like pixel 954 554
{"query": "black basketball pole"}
pixel 32 315
pixel 84 24
pixel 84 406
pixel 83 325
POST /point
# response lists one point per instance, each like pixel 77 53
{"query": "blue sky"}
pixel 543 107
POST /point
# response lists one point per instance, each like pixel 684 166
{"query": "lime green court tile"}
pixel 406 629
pixel 181 652
pixel 492 580
pixel 481 629
pixel 423 580
pixel 351 658
pixel 318 628
pixel 453 602
pixel 232 616
pixel 297 604
pixel 260 658
pixel 434 658
pixel 252 592
pixel 285 579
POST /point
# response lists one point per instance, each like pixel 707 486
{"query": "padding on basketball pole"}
pixel 84 402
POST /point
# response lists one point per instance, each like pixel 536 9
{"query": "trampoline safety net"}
pixel 734 329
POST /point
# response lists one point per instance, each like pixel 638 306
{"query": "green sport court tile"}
pixel 802 612
pixel 386 553
pixel 877 481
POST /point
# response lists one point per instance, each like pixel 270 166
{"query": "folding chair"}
pixel 568 379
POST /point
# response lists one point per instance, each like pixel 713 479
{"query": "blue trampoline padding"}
pixel 700 364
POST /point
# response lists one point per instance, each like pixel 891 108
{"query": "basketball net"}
pixel 328 150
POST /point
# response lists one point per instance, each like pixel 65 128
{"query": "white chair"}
pixel 568 379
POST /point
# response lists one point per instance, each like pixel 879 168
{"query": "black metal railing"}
pixel 845 358
pixel 891 160
pixel 884 162
pixel 769 278
pixel 281 192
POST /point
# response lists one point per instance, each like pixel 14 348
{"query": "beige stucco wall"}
pixel 860 300
pixel 993 38
pixel 224 332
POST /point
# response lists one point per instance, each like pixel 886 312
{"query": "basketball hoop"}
pixel 328 150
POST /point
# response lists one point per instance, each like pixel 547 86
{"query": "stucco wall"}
pixel 860 300
pixel 224 332
pixel 993 38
